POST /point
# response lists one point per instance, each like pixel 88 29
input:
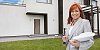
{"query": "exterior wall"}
pixel 95 23
pixel 99 13
pixel 14 21
pixel 95 18
pixel 41 22
pixel 50 9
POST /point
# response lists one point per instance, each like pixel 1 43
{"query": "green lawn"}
pixel 44 44
pixel 96 45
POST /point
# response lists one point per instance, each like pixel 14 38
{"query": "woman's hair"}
pixel 74 6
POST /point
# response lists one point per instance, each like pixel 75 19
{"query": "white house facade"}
pixel 29 17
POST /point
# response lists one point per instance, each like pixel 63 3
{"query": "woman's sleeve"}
pixel 87 27
pixel 85 45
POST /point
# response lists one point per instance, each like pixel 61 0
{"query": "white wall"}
pixel 14 21
pixel 50 9
pixel 95 18
pixel 95 22
pixel 41 17
pixel 99 13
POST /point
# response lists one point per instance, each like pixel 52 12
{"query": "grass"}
pixel 44 44
pixel 96 45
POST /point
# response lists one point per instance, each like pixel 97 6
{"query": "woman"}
pixel 75 26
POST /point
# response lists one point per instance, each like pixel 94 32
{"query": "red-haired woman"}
pixel 77 25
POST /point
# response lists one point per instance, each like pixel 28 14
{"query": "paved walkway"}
pixel 31 37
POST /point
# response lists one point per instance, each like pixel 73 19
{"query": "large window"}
pixel 10 2
pixel 44 1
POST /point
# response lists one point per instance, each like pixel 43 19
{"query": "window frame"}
pixel 47 2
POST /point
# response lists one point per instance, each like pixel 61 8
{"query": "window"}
pixel 10 2
pixel 44 1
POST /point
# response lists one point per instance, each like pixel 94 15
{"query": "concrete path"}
pixel 31 37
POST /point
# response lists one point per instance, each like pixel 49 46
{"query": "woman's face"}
pixel 75 13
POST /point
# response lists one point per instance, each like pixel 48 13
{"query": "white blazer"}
pixel 81 26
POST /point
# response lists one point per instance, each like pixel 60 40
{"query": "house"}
pixel 29 17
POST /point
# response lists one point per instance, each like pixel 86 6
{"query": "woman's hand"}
pixel 75 43
pixel 65 38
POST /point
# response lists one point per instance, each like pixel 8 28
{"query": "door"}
pixel 36 26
